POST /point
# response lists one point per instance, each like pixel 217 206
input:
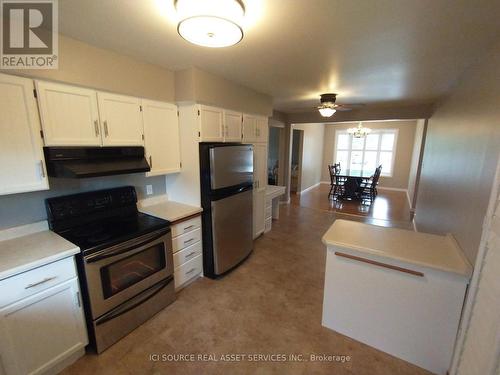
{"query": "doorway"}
pixel 296 158
pixel 276 156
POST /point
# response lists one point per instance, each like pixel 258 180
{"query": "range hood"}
pixel 82 162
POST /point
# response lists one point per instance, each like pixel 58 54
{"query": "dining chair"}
pixel 336 185
pixel 369 188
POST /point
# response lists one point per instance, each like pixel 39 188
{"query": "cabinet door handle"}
pixel 47 279
pixel 42 169
pixel 187 228
pixel 190 271
pixel 106 131
pixel 96 128
pixel 150 161
pixel 191 254
pixel 188 241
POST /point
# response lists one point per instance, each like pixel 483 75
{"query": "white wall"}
pixel 312 154
pixel 461 151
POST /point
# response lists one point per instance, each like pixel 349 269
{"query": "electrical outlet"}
pixel 149 189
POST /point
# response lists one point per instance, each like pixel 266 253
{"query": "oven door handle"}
pixel 127 306
pixel 108 254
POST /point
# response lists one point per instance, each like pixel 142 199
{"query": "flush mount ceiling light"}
pixel 359 131
pixel 210 23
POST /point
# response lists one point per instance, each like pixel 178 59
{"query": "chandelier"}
pixel 359 131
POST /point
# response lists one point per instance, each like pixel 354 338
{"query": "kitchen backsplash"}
pixel 25 208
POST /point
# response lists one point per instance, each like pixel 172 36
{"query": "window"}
pixel 378 147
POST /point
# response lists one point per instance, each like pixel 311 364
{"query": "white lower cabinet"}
pixel 41 331
pixel 187 249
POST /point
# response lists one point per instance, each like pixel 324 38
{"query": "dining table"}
pixel 353 178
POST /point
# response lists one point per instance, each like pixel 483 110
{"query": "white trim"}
pixel 309 188
pixel 409 200
pixel 391 188
pixel 285 202
pixel 325 182
pixel 23 230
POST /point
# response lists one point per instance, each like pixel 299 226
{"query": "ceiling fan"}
pixel 328 106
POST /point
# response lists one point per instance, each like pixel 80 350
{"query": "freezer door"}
pixel 230 166
pixel 232 230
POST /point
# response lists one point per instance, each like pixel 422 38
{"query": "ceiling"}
pixel 378 52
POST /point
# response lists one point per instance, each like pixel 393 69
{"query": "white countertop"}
pixel 428 250
pixel 273 191
pixel 24 253
pixel 170 210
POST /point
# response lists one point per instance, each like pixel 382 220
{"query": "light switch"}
pixel 149 189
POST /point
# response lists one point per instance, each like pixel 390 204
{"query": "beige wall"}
pixel 404 147
pixel 461 151
pixel 196 85
pixel 312 154
pixel 85 65
pixel 416 162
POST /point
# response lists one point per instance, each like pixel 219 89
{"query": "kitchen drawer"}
pixel 30 282
pixel 268 225
pixel 187 254
pixel 188 270
pixel 269 212
pixel 185 240
pixel 186 226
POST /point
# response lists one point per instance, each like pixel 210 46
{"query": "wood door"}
pixel 232 126
pixel 249 128
pixel 69 115
pixel 43 329
pixel 211 124
pixel 23 167
pixel 259 207
pixel 121 120
pixel 161 137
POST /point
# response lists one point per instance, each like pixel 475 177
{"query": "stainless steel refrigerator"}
pixel 226 174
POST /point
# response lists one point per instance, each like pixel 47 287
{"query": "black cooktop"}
pixel 95 236
pixel 99 219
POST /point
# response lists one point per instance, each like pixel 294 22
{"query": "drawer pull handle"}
pixel 40 282
pixel 385 265
pixel 191 271
pixel 188 241
pixel 188 227
pixel 191 254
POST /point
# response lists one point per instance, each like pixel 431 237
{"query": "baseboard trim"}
pixel 392 189
pixel 309 188
pixel 325 182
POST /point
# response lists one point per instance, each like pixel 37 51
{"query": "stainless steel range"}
pixel 125 266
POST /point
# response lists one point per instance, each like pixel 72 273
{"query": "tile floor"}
pixel 271 304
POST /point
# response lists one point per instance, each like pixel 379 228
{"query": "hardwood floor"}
pixel 271 304
pixel 390 208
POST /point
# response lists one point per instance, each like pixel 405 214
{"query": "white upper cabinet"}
pixel 121 120
pixel 249 128
pixel 22 166
pixel 261 129
pixel 232 126
pixel 211 124
pixel 161 133
pixel 69 115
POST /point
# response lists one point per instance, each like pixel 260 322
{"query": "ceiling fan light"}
pixel 326 111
